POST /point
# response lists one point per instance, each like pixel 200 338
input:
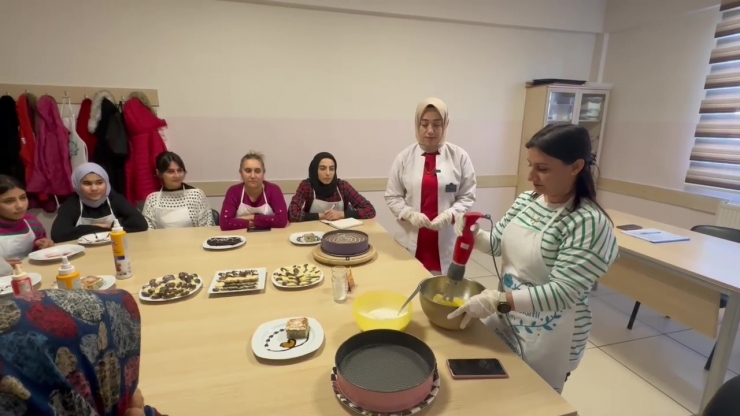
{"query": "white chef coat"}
pixel 403 193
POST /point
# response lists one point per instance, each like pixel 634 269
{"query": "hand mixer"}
pixel 463 248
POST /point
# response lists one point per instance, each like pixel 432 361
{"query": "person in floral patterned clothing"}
pixel 71 353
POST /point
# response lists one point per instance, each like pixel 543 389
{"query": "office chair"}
pixel 725 233
pixel 215 214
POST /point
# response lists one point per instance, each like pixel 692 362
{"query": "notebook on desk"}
pixel 343 224
pixel 656 236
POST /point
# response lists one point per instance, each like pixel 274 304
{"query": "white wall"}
pixel 291 82
pixel 657 59
pixel 570 15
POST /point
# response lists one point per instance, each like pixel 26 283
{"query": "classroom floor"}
pixel 655 369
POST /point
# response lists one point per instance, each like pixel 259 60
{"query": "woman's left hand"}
pixel 333 215
pixel 43 243
pixel 479 306
pixel 249 217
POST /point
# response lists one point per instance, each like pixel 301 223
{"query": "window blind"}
pixel 715 157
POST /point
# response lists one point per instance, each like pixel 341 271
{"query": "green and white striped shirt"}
pixel 578 248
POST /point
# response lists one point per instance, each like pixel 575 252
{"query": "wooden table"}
pixel 683 280
pixel 196 354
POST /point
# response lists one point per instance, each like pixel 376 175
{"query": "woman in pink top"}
pixel 254 203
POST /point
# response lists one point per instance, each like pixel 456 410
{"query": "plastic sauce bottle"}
pixel 21 283
pixel 68 278
pixel 120 251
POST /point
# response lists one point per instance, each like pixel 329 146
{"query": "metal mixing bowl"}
pixel 437 313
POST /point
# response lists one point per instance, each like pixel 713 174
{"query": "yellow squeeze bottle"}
pixel 68 278
pixel 120 251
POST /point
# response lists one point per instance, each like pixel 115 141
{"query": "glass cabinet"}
pixel 548 104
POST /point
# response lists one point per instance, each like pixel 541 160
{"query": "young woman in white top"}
pixel 555 242
pixel 430 182
pixel 177 204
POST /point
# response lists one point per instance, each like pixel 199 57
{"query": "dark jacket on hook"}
pixel 112 149
pixel 10 141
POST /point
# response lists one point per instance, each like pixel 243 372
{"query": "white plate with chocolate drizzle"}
pixel 224 242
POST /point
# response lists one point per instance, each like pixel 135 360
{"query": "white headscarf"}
pixel 83 170
pixel 441 107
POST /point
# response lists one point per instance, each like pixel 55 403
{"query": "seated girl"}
pixel 323 196
pixel 94 207
pixel 177 204
pixel 20 232
pixel 254 203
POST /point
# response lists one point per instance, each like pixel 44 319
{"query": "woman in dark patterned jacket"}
pixel 71 353
pixel 323 196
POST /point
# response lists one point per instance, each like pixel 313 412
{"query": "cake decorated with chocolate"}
pixel 344 243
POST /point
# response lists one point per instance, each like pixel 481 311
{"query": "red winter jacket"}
pixel 52 169
pixel 83 118
pixel 146 144
pixel 28 138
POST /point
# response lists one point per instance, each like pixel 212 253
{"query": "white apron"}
pixel 17 246
pixel 172 217
pixel 245 209
pixel 319 207
pixel 545 336
pixel 77 147
pixel 107 220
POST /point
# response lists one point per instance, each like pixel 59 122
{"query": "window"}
pixel 715 157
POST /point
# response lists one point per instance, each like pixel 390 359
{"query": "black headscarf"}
pixel 323 192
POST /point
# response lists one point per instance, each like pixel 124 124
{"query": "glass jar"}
pixel 339 283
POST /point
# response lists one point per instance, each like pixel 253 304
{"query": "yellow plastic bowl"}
pixel 379 310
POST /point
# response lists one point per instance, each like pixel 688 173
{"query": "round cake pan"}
pixel 385 371
pixel 352 243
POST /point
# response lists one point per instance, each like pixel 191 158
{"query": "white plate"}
pixel 95 239
pixel 55 253
pixel 197 288
pixel 260 283
pixel 7 289
pixel 108 282
pixel 295 238
pixel 267 340
pixel 281 286
pixel 210 247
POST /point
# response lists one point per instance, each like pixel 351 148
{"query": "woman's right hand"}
pixel 418 220
pixel 459 224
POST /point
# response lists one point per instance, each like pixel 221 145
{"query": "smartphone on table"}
pixel 476 368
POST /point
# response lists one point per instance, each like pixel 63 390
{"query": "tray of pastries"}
pixel 171 287
pixel 297 276
pixel 238 281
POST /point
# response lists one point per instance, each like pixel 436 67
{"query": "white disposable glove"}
pixel 459 224
pixel 417 219
pixel 479 306
pixel 442 220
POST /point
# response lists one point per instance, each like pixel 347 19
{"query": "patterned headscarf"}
pixel 69 353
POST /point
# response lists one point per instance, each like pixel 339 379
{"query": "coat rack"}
pixel 75 94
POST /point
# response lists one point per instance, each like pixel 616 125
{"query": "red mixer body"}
pixel 464 245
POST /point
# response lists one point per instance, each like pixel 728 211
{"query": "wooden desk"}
pixel 683 280
pixel 196 354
